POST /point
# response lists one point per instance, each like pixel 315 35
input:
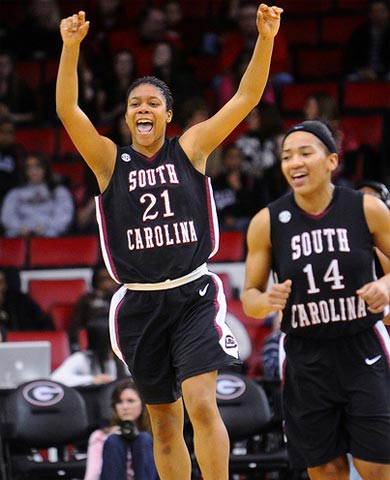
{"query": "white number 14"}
pixel 332 274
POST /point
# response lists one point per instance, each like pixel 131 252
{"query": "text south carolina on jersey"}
pixel 167 234
pixel 340 309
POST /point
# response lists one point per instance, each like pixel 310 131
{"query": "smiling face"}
pixel 147 116
pixel 306 163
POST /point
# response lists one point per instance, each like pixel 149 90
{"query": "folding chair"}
pixel 248 418
pixel 257 444
pixel 44 420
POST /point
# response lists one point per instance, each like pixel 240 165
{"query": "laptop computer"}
pixel 21 362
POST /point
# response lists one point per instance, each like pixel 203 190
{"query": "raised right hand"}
pixel 74 29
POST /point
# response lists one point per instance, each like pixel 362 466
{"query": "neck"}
pixel 315 203
pixel 148 150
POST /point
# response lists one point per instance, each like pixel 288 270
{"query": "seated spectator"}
pixel 169 65
pixel 18 311
pixel 259 141
pixel 114 86
pixel 323 106
pixel 151 29
pixel 86 223
pixel 36 37
pixel 106 16
pixel 96 365
pixel 367 52
pixel 243 37
pixel 192 111
pixel 39 206
pixel 174 17
pixel 90 97
pixel 238 195
pixel 18 102
pixel 227 83
pixel 93 306
pixel 11 157
pixel 124 450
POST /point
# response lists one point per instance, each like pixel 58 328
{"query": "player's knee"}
pixel 165 424
pixel 203 413
pixel 337 469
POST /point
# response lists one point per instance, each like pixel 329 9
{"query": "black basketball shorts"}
pixel 167 336
pixel 336 395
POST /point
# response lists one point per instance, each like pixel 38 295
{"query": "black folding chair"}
pixel 43 422
pixel 257 441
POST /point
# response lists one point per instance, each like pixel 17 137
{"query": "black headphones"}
pixel 378 187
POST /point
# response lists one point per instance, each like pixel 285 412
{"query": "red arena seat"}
pixel 48 293
pixel 64 251
pixel 231 247
pixel 13 252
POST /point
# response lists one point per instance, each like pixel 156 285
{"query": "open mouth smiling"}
pixel 144 126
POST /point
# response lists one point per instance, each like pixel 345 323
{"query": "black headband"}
pixel 317 128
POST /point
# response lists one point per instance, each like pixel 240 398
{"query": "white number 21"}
pixel 152 200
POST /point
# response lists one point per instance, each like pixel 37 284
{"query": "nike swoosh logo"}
pixel 371 361
pixel 202 291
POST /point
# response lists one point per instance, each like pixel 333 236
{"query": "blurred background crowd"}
pixel 331 61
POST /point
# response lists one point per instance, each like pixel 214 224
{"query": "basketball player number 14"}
pixel 332 274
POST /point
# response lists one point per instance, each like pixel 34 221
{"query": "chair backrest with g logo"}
pixel 44 415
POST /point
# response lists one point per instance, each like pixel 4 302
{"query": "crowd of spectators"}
pixel 201 62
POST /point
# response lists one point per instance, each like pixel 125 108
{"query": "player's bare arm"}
pixel 200 140
pixel 258 301
pixel 377 293
pixel 98 151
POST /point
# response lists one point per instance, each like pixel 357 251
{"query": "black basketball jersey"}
pixel 157 217
pixel 327 257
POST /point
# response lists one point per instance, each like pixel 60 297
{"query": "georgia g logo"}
pixel 43 393
pixel 229 387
